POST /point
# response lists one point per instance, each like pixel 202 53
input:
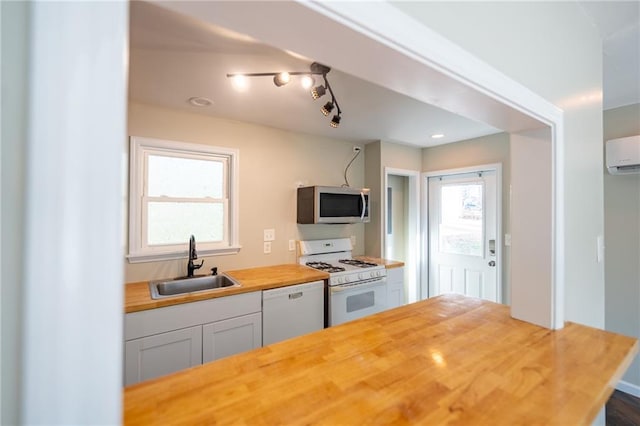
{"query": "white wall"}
pixel 379 155
pixel 531 238
pixel 535 43
pixel 70 106
pixel 272 163
pixel 15 27
pixel 622 239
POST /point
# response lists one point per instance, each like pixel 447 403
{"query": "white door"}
pixel 462 235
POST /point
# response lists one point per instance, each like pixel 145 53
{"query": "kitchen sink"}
pixel 174 287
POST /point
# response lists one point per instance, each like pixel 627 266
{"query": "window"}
pixel 461 222
pixel 177 190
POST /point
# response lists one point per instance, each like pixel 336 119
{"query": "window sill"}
pixel 159 257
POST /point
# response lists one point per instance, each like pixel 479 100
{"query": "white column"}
pixel 72 346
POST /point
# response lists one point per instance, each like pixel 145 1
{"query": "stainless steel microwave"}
pixel 330 204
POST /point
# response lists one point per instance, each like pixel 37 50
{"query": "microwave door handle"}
pixel 363 207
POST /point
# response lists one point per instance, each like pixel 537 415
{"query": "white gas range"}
pixel 356 288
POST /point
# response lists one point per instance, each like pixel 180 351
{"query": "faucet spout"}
pixel 193 255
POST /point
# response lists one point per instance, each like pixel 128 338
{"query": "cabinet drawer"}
pixel 160 320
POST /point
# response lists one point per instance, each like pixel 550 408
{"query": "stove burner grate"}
pixel 358 263
pixel 324 266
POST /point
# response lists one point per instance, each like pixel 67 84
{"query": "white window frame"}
pixel 140 148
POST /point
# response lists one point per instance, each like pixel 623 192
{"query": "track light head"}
pixel 281 79
pixel 327 108
pixel 318 92
pixel 307 82
pixel 335 121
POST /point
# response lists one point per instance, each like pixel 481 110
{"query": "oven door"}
pixel 352 301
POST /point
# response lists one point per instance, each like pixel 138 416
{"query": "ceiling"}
pixel 619 25
pixel 174 58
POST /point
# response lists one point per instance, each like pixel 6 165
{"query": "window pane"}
pixel 173 223
pixel 184 177
pixel 461 219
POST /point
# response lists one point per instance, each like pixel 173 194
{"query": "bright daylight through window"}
pixel 178 190
pixel 461 222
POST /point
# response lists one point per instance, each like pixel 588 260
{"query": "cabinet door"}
pixel 395 287
pixel 231 336
pixel 161 354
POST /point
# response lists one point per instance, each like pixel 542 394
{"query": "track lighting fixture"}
pixel 282 78
pixel 318 92
pixel 327 108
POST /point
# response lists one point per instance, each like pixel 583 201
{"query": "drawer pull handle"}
pixel 295 295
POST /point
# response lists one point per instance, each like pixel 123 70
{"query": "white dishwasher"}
pixel 292 311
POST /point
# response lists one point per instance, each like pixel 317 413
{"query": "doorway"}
pixel 463 232
pixel 401 227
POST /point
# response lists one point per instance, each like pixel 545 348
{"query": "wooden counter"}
pixel 448 359
pixel 138 297
pixel 389 264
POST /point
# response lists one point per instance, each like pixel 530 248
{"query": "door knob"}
pixel 492 263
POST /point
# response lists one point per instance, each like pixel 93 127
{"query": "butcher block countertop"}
pixel 446 360
pixel 138 297
pixel 389 264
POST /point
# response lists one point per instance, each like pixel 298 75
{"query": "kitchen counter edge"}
pixel 138 298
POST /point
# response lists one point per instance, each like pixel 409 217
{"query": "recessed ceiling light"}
pixel 199 101
pixel 437 136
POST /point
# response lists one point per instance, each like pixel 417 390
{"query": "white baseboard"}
pixel 628 388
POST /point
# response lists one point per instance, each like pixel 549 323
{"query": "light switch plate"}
pixel 292 245
pixel 269 235
pixel 353 241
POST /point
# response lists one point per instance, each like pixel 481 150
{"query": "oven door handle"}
pixel 364 206
pixel 357 286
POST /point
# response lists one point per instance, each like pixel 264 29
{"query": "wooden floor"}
pixel 623 410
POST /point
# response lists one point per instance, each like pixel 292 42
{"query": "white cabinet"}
pixel 164 353
pixel 231 336
pixel 395 287
pixel 164 340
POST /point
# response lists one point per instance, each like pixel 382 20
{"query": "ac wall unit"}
pixel 623 155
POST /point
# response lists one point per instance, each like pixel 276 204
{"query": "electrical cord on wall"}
pixel 346 181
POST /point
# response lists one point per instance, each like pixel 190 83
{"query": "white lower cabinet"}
pixel 165 340
pixel 395 287
pixel 164 353
pixel 232 336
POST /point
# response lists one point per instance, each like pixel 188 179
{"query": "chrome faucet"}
pixel 193 255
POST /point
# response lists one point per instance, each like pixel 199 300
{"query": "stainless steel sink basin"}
pixel 174 287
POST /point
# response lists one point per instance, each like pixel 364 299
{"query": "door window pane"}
pixel 173 222
pixel 461 221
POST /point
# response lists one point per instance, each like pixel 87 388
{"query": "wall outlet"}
pixel 353 241
pixel 507 240
pixel 269 235
pixel 357 149
pixel 267 247
pixel 292 245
